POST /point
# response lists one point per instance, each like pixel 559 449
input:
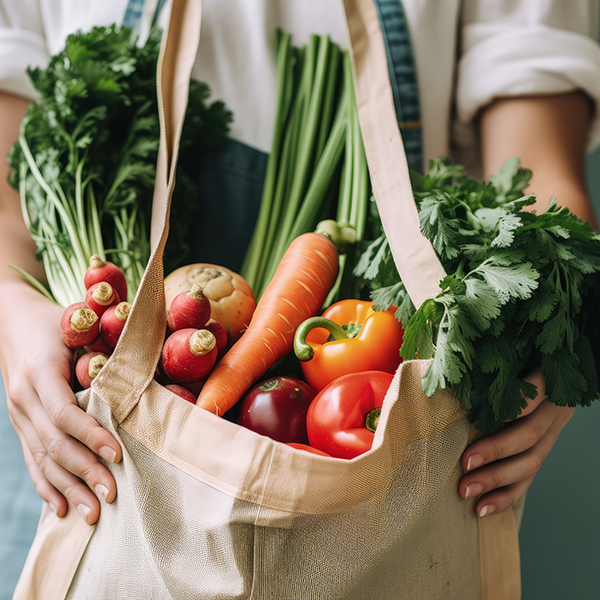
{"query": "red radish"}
pixel 100 296
pixel 88 367
pixel 189 309
pixel 79 325
pixel 220 334
pixel 105 271
pixel 195 387
pixel 181 391
pixel 113 321
pixel 189 354
pixel 99 346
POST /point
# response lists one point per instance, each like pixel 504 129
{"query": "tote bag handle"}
pixel 414 256
pixel 132 365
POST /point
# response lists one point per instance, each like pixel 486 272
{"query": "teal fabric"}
pixel 133 14
pixel 403 77
pixel 230 183
pixel 20 506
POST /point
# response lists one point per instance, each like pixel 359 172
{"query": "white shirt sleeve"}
pixel 527 47
pixel 22 44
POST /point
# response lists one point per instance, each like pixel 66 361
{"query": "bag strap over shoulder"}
pixel 414 256
pixel 132 364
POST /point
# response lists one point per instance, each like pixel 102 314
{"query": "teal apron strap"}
pixel 133 14
pixel 403 76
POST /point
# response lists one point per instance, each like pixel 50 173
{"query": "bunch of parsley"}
pixel 85 161
pixel 522 291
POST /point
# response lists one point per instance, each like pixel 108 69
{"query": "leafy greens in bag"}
pixel 85 160
pixel 522 291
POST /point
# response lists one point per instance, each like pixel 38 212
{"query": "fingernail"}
pixel 108 454
pixel 84 511
pixel 474 462
pixel 53 508
pixel 101 491
pixel 487 510
pixel 473 489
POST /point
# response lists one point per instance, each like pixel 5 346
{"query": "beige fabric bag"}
pixel 207 509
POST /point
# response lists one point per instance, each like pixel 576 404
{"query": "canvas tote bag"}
pixel 209 510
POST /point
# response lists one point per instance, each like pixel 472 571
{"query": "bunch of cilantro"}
pixel 522 291
pixel 85 160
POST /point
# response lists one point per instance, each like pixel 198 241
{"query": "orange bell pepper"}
pixel 349 337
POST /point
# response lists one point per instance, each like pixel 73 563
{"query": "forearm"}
pixel 549 134
pixel 16 244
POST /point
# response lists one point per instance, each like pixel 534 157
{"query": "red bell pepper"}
pixel 349 337
pixel 343 416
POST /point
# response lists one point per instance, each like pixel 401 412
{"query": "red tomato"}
pixel 343 416
pixel 277 408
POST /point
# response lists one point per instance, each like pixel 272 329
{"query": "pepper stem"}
pixel 372 419
pixel 304 351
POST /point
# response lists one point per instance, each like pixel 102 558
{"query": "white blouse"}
pixel 467 53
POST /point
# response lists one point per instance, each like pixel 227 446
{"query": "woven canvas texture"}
pixel 207 510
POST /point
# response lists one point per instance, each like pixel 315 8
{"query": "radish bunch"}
pixel 193 343
pixel 92 328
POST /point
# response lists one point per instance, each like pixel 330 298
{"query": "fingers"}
pixel 516 437
pixel 60 466
pixel 61 406
pixel 502 498
pixel 44 488
pixel 501 467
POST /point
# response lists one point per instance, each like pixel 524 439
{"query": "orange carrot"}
pixel 297 291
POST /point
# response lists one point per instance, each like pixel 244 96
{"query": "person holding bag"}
pixel 57 436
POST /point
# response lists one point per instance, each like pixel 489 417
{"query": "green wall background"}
pixel 560 533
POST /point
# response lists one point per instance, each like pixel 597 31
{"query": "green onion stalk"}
pixel 85 160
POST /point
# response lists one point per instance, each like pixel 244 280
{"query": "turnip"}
pixel 88 367
pixel 113 321
pixel 100 296
pixel 189 309
pixel 188 355
pixel 100 270
pixel 182 392
pixel 79 325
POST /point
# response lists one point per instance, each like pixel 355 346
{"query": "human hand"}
pixel 60 441
pixel 502 466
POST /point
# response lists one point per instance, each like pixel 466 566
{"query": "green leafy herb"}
pixel 85 160
pixel 522 291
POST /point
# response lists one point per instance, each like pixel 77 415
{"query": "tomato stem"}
pixel 372 419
